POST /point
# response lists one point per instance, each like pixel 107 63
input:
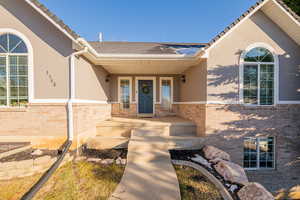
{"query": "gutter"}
pixel 66 146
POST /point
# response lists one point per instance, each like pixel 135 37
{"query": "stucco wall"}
pixel 90 81
pixel 51 48
pixel 194 89
pixel 223 62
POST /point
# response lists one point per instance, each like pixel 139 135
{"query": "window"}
pixel 258 77
pixel 13 71
pixel 166 87
pixel 125 92
pixel 259 153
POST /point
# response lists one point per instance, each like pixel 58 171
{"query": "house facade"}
pixel 242 89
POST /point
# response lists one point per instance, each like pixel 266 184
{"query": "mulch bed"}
pixel 26 155
pixel 187 154
pixel 105 154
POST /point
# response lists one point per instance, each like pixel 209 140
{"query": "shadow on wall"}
pixel 228 125
pixel 39 26
pixel 289 59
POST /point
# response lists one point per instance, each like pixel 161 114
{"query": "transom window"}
pixel 259 153
pixel 13 71
pixel 258 77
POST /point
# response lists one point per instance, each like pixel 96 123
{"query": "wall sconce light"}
pixel 107 78
pixel 183 79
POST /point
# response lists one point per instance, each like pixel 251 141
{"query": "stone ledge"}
pixel 223 191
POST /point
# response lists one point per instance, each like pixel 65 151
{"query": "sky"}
pixel 148 20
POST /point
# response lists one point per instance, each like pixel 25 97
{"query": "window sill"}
pixel 13 109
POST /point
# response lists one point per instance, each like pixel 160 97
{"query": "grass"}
pixel 75 180
pixel 194 186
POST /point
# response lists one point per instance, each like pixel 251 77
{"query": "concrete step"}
pixel 168 126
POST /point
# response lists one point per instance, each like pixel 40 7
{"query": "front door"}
pixel 145 96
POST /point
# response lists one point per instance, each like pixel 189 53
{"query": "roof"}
pixel 245 14
pixel 56 19
pixel 107 47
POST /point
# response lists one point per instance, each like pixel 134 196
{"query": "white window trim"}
pixel 120 78
pixel 160 88
pixel 30 60
pixel 258 154
pixel 150 78
pixel 276 73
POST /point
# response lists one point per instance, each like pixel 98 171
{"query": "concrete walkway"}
pixel 149 174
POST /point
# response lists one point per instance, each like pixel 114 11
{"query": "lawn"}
pixel 194 186
pixel 75 180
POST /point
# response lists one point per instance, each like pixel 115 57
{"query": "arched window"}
pixel 13 71
pixel 258 77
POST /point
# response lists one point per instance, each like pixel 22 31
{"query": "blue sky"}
pixel 149 20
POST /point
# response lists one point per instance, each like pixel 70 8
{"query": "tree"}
pixel 294 5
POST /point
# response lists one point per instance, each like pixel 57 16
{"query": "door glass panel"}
pixel 125 93
pixel 250 84
pixel 166 94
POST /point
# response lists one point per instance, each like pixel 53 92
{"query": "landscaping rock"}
pixel 201 160
pixel 231 172
pixel 96 160
pixel 254 191
pixel 211 153
pixel 233 188
pixel 80 158
pixel 119 161
pixel 123 161
pixel 107 161
pixel 37 153
pixel 215 161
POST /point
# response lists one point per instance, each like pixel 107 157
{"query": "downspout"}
pixel 72 89
pixel 66 146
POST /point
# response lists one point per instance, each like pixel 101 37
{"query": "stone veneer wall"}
pixel 45 125
pixel 86 118
pixel 117 110
pixel 228 125
pixel 34 122
pixel 193 112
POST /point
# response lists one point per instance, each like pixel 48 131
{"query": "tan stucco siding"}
pixel 90 81
pixel 114 86
pixel 194 89
pixel 51 48
pixel 223 61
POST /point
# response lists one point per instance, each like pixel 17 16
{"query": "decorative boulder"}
pixel 96 160
pixel 107 161
pixel 254 191
pixel 37 153
pixel 201 160
pixel 231 172
pixel 212 153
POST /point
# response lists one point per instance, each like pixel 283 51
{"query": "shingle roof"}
pixel 245 14
pixel 143 47
pixel 55 18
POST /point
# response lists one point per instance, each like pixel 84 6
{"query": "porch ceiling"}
pixel 148 66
